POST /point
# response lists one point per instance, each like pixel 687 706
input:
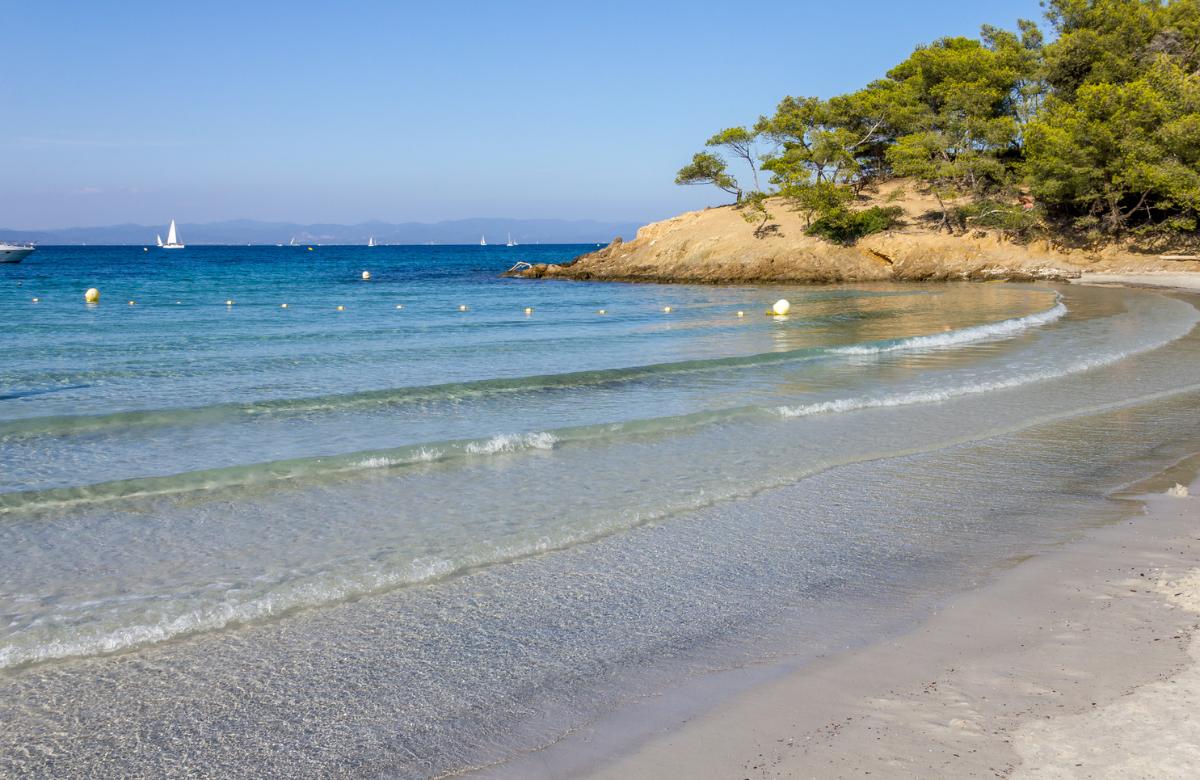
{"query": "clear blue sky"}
pixel 343 112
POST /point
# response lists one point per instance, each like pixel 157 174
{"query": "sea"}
pixel 260 515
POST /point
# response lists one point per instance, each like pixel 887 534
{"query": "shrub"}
pixel 844 226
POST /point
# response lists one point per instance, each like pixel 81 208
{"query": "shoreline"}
pixel 1079 642
pixel 1030 674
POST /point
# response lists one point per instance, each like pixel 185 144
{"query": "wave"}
pixel 939 394
pixel 512 443
pixel 962 336
pixel 326 588
pixel 69 425
pixel 315 590
pixel 287 470
pixel 428 453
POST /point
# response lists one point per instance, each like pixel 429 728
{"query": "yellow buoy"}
pixel 341 308
pixel 366 276
pixel 528 309
pixel 741 314
pixel 310 249
pixel 92 295
pixel 781 307
pixel 463 307
pixel 667 309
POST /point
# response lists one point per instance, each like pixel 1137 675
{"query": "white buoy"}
pixel 228 303
pixel 92 295
pixel 463 307
pixel 741 314
pixel 131 303
pixel 399 305
pixel 528 309
pixel 667 309
pixel 35 300
pixel 781 307
pixel 341 308
pixel 283 305
pixel 366 276
pixel 602 311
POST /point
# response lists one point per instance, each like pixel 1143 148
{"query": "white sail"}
pixel 172 238
pixel 483 240
pixel 158 238
pixel 371 241
pixel 510 241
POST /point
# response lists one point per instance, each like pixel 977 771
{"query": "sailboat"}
pixel 371 241
pixel 483 241
pixel 172 239
pixel 510 241
pixel 158 240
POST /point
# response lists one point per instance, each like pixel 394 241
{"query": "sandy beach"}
pixel 1077 663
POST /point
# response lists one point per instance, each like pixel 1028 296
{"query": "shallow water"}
pixel 277 501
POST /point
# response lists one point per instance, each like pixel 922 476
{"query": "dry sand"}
pixel 1078 663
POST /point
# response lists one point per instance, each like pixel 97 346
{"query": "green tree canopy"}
pixel 707 168
pixel 1102 124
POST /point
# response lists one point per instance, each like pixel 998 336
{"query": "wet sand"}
pixel 1079 662
pixel 1179 280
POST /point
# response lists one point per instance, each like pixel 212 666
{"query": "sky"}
pixel 343 112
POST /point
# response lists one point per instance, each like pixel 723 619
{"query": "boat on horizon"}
pixel 15 253
pixel 371 241
pixel 483 240
pixel 172 239
pixel 510 241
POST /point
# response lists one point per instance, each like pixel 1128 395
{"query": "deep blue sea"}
pixel 435 517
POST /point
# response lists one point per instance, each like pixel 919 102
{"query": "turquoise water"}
pixel 448 524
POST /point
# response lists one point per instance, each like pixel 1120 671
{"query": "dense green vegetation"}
pixel 1098 131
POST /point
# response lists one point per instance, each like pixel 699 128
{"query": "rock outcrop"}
pixel 716 246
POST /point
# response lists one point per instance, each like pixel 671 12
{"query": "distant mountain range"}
pixel 243 231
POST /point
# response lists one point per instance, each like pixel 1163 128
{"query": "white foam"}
pixel 962 336
pixel 422 455
pixel 940 394
pixel 316 591
pixel 512 442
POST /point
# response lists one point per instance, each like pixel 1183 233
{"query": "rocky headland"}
pixel 717 246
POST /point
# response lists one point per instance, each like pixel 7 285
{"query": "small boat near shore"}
pixel 15 253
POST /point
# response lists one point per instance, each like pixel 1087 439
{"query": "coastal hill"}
pixel 717 245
